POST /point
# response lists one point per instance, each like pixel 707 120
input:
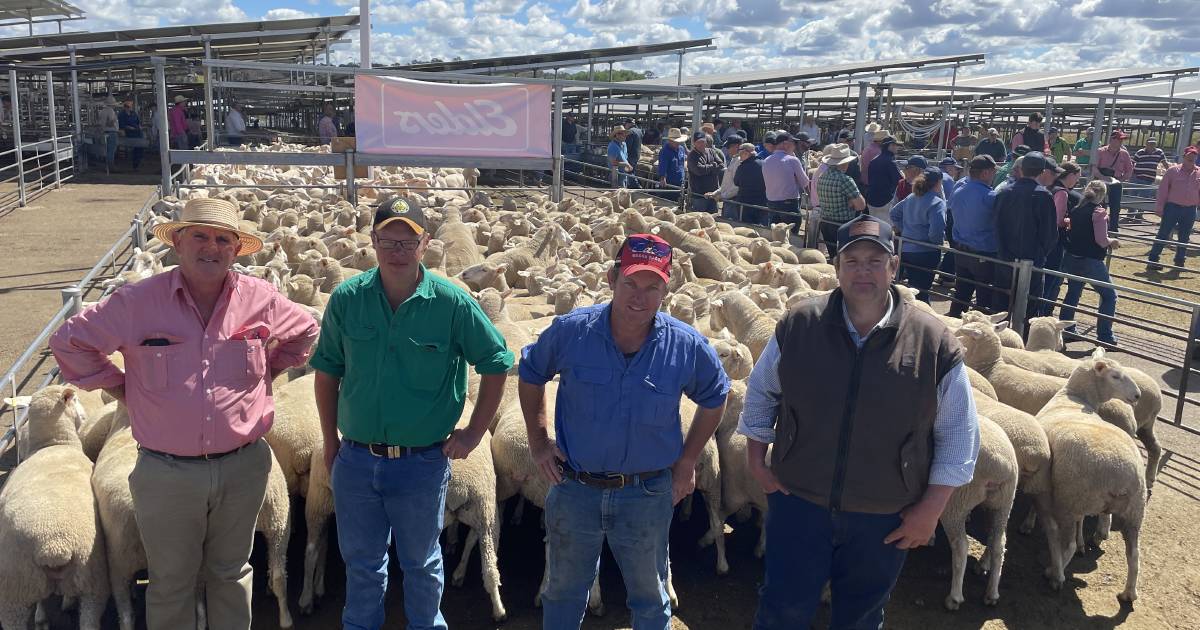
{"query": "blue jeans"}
pixel 731 210
pixel 920 279
pixel 636 521
pixel 700 203
pixel 788 205
pixel 1050 284
pixel 110 146
pixel 807 545
pixel 1175 218
pixel 1114 206
pixel 376 498
pixel 1094 269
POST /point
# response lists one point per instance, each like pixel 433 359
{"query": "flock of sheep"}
pixel 1058 429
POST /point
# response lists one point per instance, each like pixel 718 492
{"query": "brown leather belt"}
pixel 392 451
pixel 190 458
pixel 609 481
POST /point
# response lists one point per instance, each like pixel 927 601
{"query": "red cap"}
pixel 645 252
pixel 1117 133
pixel 1191 151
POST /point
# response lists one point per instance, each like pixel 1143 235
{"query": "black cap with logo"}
pixel 397 209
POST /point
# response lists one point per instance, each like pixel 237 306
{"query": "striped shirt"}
pixel 1145 164
pixel 955 429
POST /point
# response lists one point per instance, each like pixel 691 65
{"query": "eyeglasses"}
pixel 640 245
pixel 390 244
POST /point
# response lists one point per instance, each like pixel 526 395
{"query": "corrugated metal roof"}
pixel 29 9
pixel 553 57
pixel 793 75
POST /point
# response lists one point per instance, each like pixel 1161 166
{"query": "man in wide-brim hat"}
pixel 201 346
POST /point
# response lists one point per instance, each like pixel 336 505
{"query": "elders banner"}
pixel 405 117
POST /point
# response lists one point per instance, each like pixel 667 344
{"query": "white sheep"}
pixel 748 323
pixel 1097 467
pixel 1016 387
pixel 50 534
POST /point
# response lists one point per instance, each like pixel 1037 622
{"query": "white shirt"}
pixel 235 125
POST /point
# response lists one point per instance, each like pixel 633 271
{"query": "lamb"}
pixel 994 486
pixel 1097 467
pixel 460 250
pixel 492 303
pixel 540 250
pixel 1008 337
pixel 708 484
pixel 708 262
pixel 1046 333
pixel 1016 387
pixel 49 531
pixel 302 289
pixel 486 275
pixel 296 431
pixel 735 356
pixel 363 259
pixel 748 323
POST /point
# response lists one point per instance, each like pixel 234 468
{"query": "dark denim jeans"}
pixel 377 499
pixel 975 277
pixel 807 546
pixel 1050 284
pixel 1114 206
pixel 918 267
pixel 1094 269
pixel 635 520
pixel 1175 219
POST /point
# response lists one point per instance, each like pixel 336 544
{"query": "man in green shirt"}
pixel 392 377
pixel 1083 147
pixel 1058 147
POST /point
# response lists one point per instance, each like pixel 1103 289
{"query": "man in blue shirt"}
pixel 882 176
pixel 129 122
pixel 619 461
pixel 618 159
pixel 672 162
pixel 951 172
pixel 974 232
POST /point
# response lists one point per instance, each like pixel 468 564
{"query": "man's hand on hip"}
pixel 918 523
pixel 547 457
pixel 683 480
pixel 766 478
pixel 461 442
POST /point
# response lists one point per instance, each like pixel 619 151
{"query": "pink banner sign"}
pixel 404 117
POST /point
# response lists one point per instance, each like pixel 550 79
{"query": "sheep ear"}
pixel 1063 325
pixel 724 334
pixel 1098 353
pixel 719 302
pixel 1000 326
pixel 998 317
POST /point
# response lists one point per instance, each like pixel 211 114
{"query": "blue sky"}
pixel 752 34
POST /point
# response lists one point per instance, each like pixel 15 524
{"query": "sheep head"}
pixel 735 356
pixel 1098 380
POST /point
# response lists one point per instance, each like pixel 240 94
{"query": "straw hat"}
pixel 179 98
pixel 838 154
pixel 209 213
pixel 873 128
pixel 880 134
pixel 616 130
pixel 109 100
pixel 675 135
pixel 708 127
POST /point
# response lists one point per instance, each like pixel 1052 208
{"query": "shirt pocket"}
pixel 156 365
pixel 594 383
pixel 662 402
pixel 426 363
pixel 360 343
pixel 240 363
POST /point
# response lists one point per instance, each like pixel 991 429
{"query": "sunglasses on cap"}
pixel 640 245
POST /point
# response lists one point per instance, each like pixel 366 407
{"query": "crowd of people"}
pixel 994 202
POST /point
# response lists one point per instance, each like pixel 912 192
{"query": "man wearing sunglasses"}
pixel 392 378
pixel 619 461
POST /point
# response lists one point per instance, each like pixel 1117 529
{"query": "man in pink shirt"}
pixel 872 150
pixel 201 345
pixel 177 123
pixel 1114 166
pixel 1176 201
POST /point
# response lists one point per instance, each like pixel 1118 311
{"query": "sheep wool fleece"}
pixel 844 440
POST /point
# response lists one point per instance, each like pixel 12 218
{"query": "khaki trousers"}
pixel 197 520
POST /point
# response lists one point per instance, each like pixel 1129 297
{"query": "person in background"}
pixel 921 218
pixel 964 144
pixel 619 167
pixel 1115 167
pixel 1062 189
pixel 1058 147
pixel 672 163
pixel 751 189
pixel 951 174
pixel 195 130
pixel 767 147
pixel 1175 204
pixel 801 144
pixel 619 460
pixel 992 146
pixel 785 177
pixel 704 166
pixel 653 136
pixel 814 195
pixel 235 125
pixel 633 149
pixel 854 170
pixel 1083 147
pixel 810 129
pixel 131 126
pixel 177 123
pixel 1146 161
pixel 1031 136
pixel 326 127
pixel 1010 172
pixel 728 189
pixel 844 512
pixel 913 169
pixel 1086 247
pixel 974 232
pixel 109 126
pixel 876 133
pixel 884 178
pixel 734 128
pixel 570 134
pixel 1026 226
pixel 840 198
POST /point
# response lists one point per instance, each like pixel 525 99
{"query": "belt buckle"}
pixel 393 452
pixel 617 476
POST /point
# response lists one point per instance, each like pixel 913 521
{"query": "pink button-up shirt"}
pixel 870 153
pixel 1179 187
pixel 209 390
pixel 177 119
pixel 1121 163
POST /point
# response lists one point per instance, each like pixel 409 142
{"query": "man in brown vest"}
pixel 869 407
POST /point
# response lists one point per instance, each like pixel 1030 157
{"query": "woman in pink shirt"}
pixel 1086 245
pixel 201 346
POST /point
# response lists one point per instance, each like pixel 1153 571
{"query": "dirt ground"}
pixel 45 255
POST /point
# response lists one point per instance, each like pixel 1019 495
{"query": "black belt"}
pixel 392 451
pixel 609 481
pixel 190 458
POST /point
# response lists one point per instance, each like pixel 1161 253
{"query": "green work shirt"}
pixel 1083 144
pixel 404 373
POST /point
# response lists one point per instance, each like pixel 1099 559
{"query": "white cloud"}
pixel 287 14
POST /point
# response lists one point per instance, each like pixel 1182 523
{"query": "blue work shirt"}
pixel 614 415
pixel 618 152
pixel 921 218
pixel 974 204
pixel 671 163
pixel 948 185
pixel 130 119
